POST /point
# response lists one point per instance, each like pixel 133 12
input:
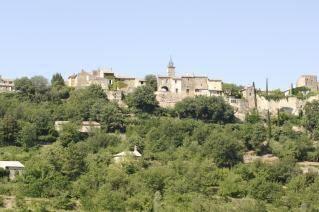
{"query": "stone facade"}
pixel 188 85
pixel 290 104
pixel 6 85
pixel 106 78
pixel 308 81
pixel 172 89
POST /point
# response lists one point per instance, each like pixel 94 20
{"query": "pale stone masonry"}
pixel 308 81
pixel 188 85
pixel 6 85
pixel 106 78
pixel 172 89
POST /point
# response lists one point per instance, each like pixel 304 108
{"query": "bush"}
pixel 207 109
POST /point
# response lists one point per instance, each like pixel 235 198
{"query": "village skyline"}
pixel 235 41
pixel 260 83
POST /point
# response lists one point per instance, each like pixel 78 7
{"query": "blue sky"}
pixel 236 41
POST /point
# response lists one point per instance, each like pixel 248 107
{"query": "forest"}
pixel 192 154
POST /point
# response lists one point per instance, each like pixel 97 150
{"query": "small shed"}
pixel 120 157
pixel 86 126
pixel 89 126
pixel 14 167
pixel 307 167
pixel 58 125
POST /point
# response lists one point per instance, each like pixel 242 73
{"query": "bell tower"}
pixel 171 68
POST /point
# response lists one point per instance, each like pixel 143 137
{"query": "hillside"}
pixel 191 156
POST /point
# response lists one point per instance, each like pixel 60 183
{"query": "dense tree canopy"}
pixel 57 80
pixel 142 99
pixel 208 109
pixel 151 80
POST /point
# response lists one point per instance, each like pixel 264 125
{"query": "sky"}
pixel 235 41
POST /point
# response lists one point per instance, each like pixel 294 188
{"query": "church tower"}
pixel 171 68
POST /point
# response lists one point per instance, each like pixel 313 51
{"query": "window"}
pixel 175 81
pixel 176 90
pixel 142 83
pixel 110 82
pixel 196 90
pixel 187 91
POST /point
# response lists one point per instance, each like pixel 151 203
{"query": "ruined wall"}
pixel 289 104
pixel 292 105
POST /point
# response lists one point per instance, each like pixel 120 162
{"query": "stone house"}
pixel 14 167
pixel 190 85
pixel 101 77
pixel 308 81
pixel 123 156
pixel 106 78
pixel 89 126
pixel 307 167
pixel 6 85
pixel 86 126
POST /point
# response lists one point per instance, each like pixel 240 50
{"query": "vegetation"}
pixel 208 109
pixel 192 155
pixel 275 95
pixel 151 80
pixel 232 90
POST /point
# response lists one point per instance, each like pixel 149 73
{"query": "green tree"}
pixel 109 115
pixel 224 149
pixel 27 136
pixel 312 116
pixel 40 84
pixel 262 189
pixel 151 80
pixel 142 99
pixel 208 109
pixel 79 104
pixel 57 80
pixel 232 186
pixel 232 90
pixel 70 134
pixel 8 130
pixel 24 85
pixel 253 117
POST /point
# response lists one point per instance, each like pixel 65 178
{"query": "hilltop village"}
pixel 98 141
pixel 172 89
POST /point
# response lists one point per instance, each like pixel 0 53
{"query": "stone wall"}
pixel 168 100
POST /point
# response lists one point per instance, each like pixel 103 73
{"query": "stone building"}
pixel 126 155
pixel 6 85
pixel 83 79
pixel 86 126
pixel 13 167
pixel 308 81
pixel 106 78
pixel 188 85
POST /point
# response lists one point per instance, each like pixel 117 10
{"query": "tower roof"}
pixel 170 63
